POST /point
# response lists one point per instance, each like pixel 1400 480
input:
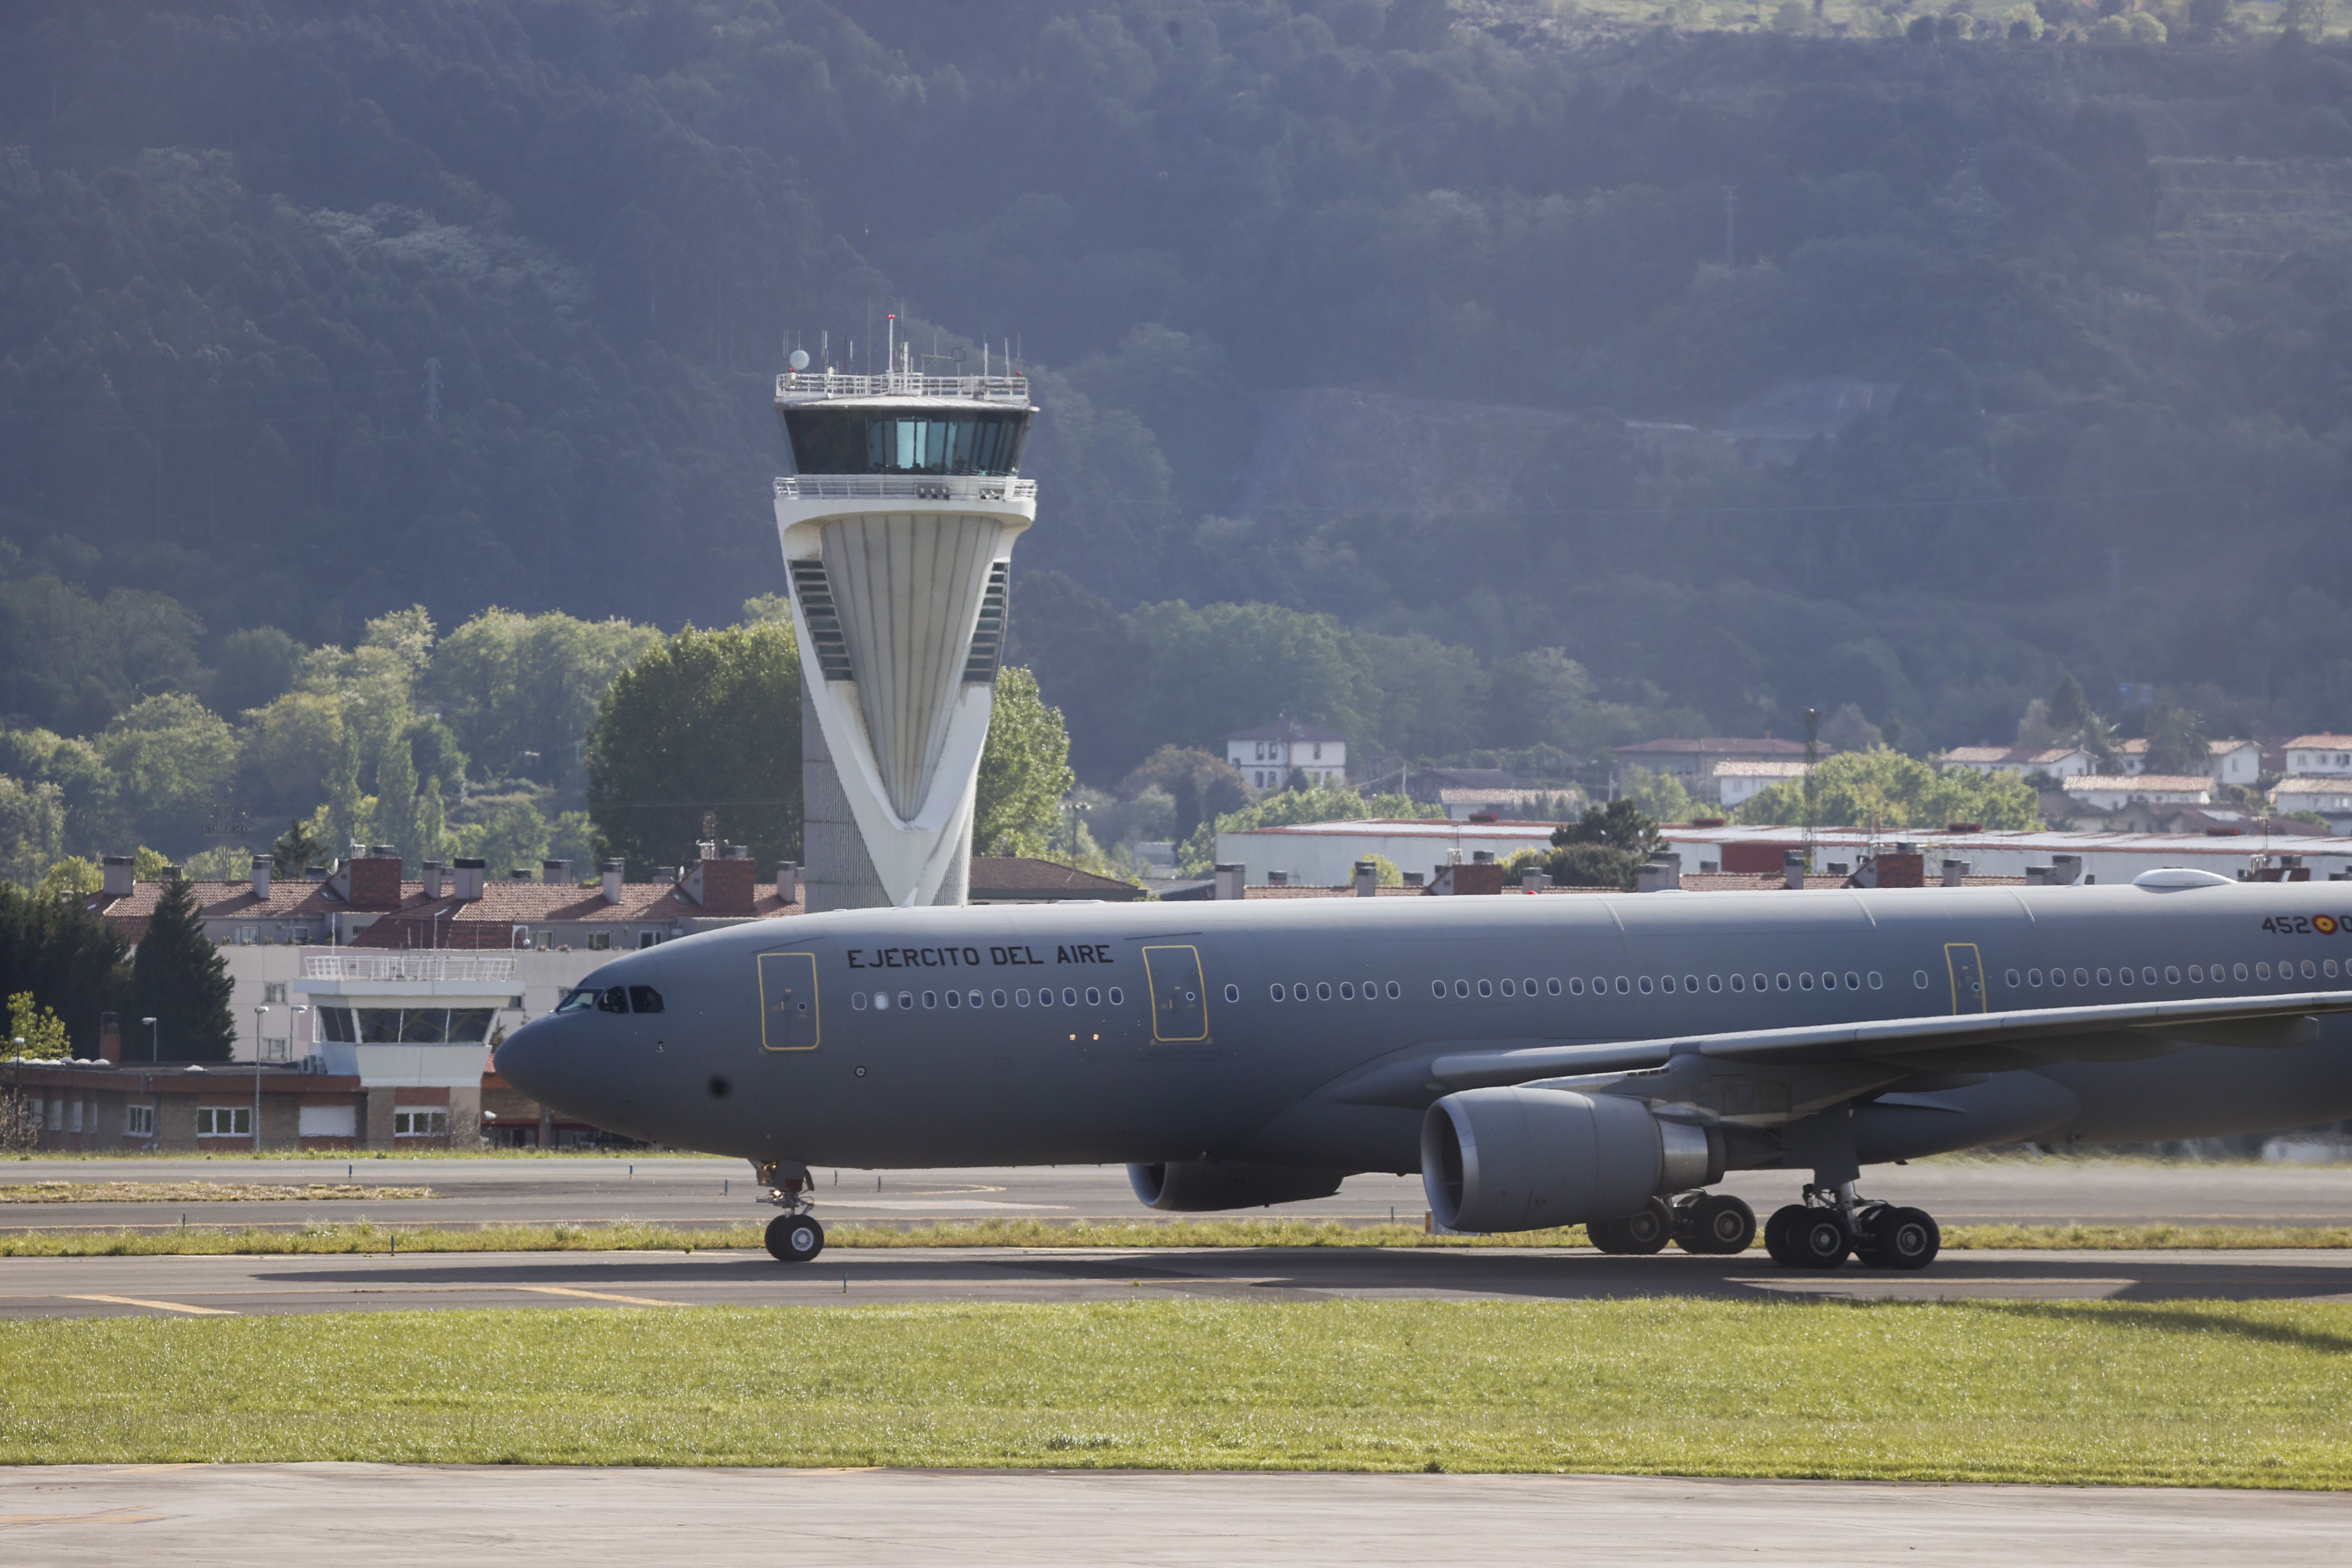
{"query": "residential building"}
pixel 2058 762
pixel 2330 797
pixel 2319 756
pixel 2106 792
pixel 1738 782
pixel 2232 762
pixel 1267 754
pixel 1692 762
pixel 1018 879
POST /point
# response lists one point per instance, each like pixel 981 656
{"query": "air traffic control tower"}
pixel 898 531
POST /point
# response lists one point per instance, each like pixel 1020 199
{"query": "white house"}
pixel 2331 797
pixel 2109 791
pixel 2318 756
pixel 1267 754
pixel 2058 762
pixel 1738 782
pixel 2228 762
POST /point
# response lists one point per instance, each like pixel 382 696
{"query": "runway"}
pixel 670 1190
pixel 186 1287
pixel 202 1515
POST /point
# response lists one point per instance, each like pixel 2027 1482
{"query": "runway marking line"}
pixel 597 1296
pixel 158 1306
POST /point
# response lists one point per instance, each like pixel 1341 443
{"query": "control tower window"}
pixel 834 440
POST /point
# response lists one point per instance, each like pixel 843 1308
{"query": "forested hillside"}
pixel 309 313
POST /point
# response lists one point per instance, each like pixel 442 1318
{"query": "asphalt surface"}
pixel 206 1514
pixel 674 1191
pixel 233 1286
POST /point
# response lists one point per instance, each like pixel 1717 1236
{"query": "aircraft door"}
pixel 1967 969
pixel 1180 1008
pixel 788 1010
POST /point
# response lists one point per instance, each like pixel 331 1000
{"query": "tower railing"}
pixel 817 385
pixel 904 486
pixel 438 966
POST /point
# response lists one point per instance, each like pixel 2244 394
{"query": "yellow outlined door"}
pixel 1968 976
pixel 788 1011
pixel 1180 1008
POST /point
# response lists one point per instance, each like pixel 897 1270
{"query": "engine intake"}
pixel 1521 1159
pixel 1194 1186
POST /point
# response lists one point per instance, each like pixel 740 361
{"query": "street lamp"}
pixel 299 1009
pixel 154 1041
pixel 258 1013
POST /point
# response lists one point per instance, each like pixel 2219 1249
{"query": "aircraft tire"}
pixel 1817 1238
pixel 1776 1232
pixel 1639 1233
pixel 794 1238
pixel 1719 1226
pixel 1902 1238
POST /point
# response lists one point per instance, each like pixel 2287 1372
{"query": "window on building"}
pixel 275 1051
pixel 138 1121
pixel 73 1119
pixel 248 935
pixel 224 1121
pixel 600 941
pixel 420 1121
pixel 273 992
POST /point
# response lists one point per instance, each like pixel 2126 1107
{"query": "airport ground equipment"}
pixel 1598 1060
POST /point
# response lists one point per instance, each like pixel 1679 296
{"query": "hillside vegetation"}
pixel 2027 350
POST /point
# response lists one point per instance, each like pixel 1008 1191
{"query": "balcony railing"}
pixel 904 487
pixel 441 966
pixel 817 385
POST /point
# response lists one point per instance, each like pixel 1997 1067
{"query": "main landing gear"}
pixel 1715 1222
pixel 793 1235
pixel 1833 1224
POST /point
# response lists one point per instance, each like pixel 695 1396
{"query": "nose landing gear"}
pixel 1833 1224
pixel 793 1235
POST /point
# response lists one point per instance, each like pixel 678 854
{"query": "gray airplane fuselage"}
pixel 831 1038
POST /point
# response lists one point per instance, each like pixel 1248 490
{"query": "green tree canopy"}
pixel 180 979
pixel 705 722
pixel 2177 743
pixel 56 948
pixel 522 691
pixel 1024 771
pixel 1855 789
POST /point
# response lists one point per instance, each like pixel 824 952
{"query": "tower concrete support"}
pixel 899 574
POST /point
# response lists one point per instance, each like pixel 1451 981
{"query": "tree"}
pixel 1660 796
pixel 1024 771
pixel 302 846
pixel 257 667
pixel 511 837
pixel 180 980
pixel 2177 744
pixel 36 1034
pixel 1605 848
pixel 57 950
pixel 510 684
pixel 175 761
pixel 1857 789
pixel 704 722
pixel 32 828
pixel 69 876
pixel 1201 787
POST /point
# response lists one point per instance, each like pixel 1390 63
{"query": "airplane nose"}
pixel 526 1059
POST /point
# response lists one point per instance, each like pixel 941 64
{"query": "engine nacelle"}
pixel 1521 1159
pixel 1195 1186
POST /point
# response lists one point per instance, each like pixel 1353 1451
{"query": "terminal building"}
pixel 897 527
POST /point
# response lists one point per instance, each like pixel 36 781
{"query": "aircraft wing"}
pixel 2047 1033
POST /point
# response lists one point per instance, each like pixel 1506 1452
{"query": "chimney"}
pixel 261 868
pixel 1792 868
pixel 375 881
pixel 2066 871
pixel 788 882
pixel 110 1038
pixel 555 873
pixel 1956 873
pixel 1532 879
pixel 720 887
pixel 118 883
pixel 739 852
pixel 1232 881
pixel 435 875
pixel 614 872
pixel 1368 880
pixel 470 875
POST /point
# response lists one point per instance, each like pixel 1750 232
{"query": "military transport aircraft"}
pixel 1596 1060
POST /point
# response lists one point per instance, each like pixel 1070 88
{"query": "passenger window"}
pixel 1461 989
pixel 1760 982
pixel 1510 988
pixel 1347 991
pixel 905 999
pixel 1394 991
pixel 2197 974
pixel 1275 993
pixel 2058 977
pixel 2033 977
pixel 1715 983
pixel 1644 983
pixel 998 998
pixel 1551 986
pixel 2330 967
pixel 955 998
pixel 2106 978
pixel 1528 986
pixel 1437 989
pixel 1783 982
pixel 645 999
pixel 1874 979
pixel 1622 987
pixel 1853 981
pixel 1690 982
pixel 857 1001
pixel 1667 982
pixel 2262 972
pixel 1322 991
pixel 1118 997
pixel 931 999
pixel 1919 979
pixel 1575 987
pixel 2012 978
pixel 2171 974
pixel 1486 988
pixel 1045 997
pixel 1739 982
pixel 2309 973
pixel 1021 998
pixel 2239 972
pixel 2123 977
pixel 612 999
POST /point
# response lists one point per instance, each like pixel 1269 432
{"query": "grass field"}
pixel 2195 1393
pixel 365 1235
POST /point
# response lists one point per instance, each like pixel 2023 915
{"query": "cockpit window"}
pixel 612 999
pixel 643 999
pixel 576 1002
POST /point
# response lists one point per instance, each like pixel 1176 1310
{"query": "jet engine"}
pixel 1521 1159
pixel 1191 1186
